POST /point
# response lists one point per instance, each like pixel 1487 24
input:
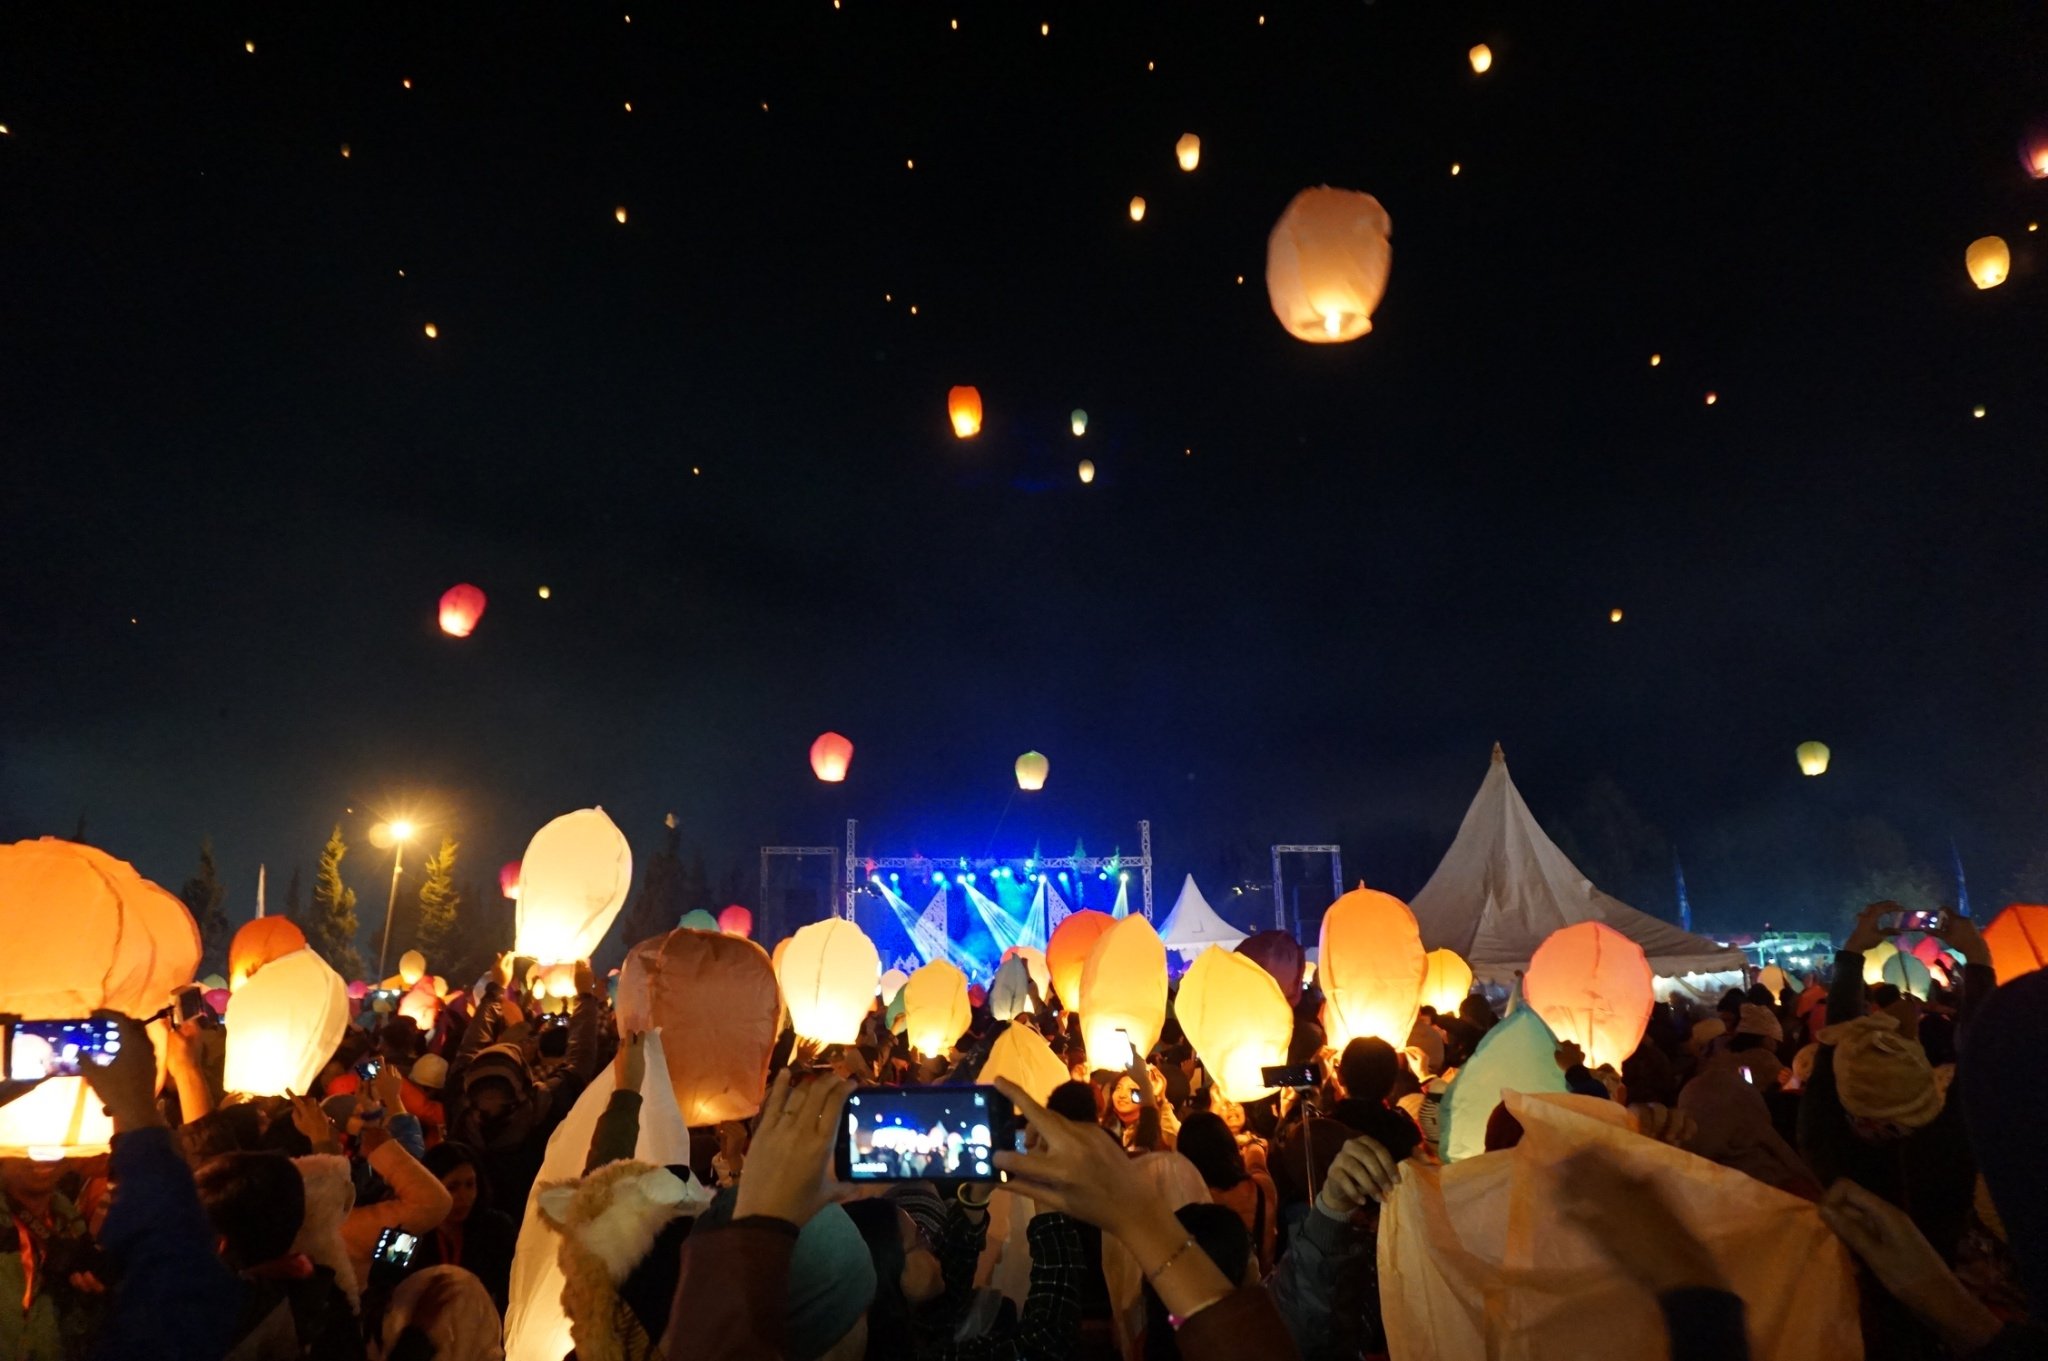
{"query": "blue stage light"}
pixel 970 878
pixel 895 878
pixel 1063 876
pixel 1125 876
pixel 1041 877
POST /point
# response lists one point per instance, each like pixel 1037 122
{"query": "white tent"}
pixel 1193 925
pixel 1504 886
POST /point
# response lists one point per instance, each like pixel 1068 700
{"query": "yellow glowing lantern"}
pixel 433 331
pixel 1372 966
pixel 1713 397
pixel 1066 954
pixel 1078 421
pixel 963 405
pixel 1087 470
pixel 828 975
pixel 1813 758
pixel 1137 208
pixel 1236 1018
pixel 831 754
pixel 1032 768
pixel 1481 57
pixel 345 152
pixel 412 967
pixel 1326 264
pixel 1123 993
pixel 544 593
pixel 1022 1055
pixel 1614 616
pixel 283 1026
pixel 1655 360
pixel 718 991
pixel 2018 938
pixel 936 1011
pixel 1988 260
pixel 258 942
pixel 572 881
pixel 619 214
pixel 1592 985
pixel 1446 982
pixel 1874 960
pixel 1774 978
pixel 1188 151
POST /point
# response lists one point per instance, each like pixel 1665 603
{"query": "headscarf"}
pixel 1705 1033
pixel 465 1327
pixel 1880 1074
pixel 1757 1020
pixel 831 1279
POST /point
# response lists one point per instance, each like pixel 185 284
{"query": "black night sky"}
pixel 1308 590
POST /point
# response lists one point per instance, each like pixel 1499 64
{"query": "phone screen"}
pixel 40 1049
pixel 395 1247
pixel 915 1133
pixel 187 1004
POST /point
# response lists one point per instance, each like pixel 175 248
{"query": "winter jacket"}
pixel 174 1300
pixel 510 1146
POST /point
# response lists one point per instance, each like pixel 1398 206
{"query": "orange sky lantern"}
pixel 963 406
pixel 1370 966
pixel 259 941
pixel 1066 954
pixel 1123 993
pixel 1236 1018
pixel 1326 264
pixel 1592 985
pixel 830 756
pixel 461 607
pixel 2018 938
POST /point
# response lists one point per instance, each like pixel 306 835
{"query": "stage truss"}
pixel 926 865
pixel 1336 854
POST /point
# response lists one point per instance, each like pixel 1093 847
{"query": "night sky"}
pixel 1310 586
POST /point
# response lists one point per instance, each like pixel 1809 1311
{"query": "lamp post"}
pixel 399 831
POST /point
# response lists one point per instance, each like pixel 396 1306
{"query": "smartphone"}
pixel 1294 1075
pixel 40 1049
pixel 370 1069
pixel 1934 922
pixel 924 1133
pixel 187 1004
pixel 395 1248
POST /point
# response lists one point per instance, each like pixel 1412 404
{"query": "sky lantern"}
pixel 890 983
pixel 2034 152
pixel 1371 966
pixel 1593 986
pixel 718 995
pixel 1034 960
pixel 1087 471
pixel 1988 260
pixel 508 879
pixel 830 755
pixel 1236 1018
pixel 619 214
pixel 1188 151
pixel 1874 960
pixel 421 1005
pixel 1066 954
pixel 283 1026
pixel 1481 57
pixel 736 921
pixel 1009 993
pixel 1776 979
pixel 1813 758
pixel 1446 983
pixel 572 881
pixel 1022 1055
pixel 963 405
pixel 433 331
pixel 1137 208
pixel 1078 420
pixel 412 967
pixel 259 941
pixel 2018 938
pixel 1326 264
pixel 461 607
pixel 1281 955
pixel 1518 1055
pixel 1614 615
pixel 828 975
pixel 1907 972
pixel 1032 768
pixel 1123 993
pixel 936 1011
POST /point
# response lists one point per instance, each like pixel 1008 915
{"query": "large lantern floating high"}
pixel 1188 151
pixel 1371 967
pixel 1813 758
pixel 830 756
pixel 828 975
pixel 1326 264
pixel 284 1025
pixel 573 879
pixel 1123 993
pixel 2034 151
pixel 1988 261
pixel 963 408
pixel 1032 768
pixel 1236 1019
pixel 1592 985
pixel 461 607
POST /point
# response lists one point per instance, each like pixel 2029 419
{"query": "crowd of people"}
pixel 1147 1214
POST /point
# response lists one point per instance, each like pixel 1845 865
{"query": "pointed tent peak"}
pixel 1500 758
pixel 1193 923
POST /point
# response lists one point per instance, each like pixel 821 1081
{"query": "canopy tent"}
pixel 1504 886
pixel 1193 925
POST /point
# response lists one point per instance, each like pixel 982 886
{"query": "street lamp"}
pixel 394 834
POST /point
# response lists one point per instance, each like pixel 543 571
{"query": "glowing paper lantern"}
pixel 619 214
pixel 1237 1020
pixel 1280 955
pixel 830 756
pixel 1326 264
pixel 257 943
pixel 421 1005
pixel 461 607
pixel 828 975
pixel 1774 978
pixel 1594 986
pixel 1874 961
pixel 1022 1055
pixel 412 967
pixel 1034 961
pixel 2018 938
pixel 1188 151
pixel 717 996
pixel 217 998
pixel 1137 208
pixel 936 1011
pixel 1066 954
pixel 1988 260
pixel 736 921
pixel 889 986
pixel 283 1026
pixel 963 405
pixel 1032 768
pixel 1123 993
pixel 697 919
pixel 1078 421
pixel 508 880
pixel 2034 152
pixel 1907 972
pixel 1372 966
pixel 1518 1055
pixel 1481 57
pixel 1614 616
pixel 1087 471
pixel 1813 758
pixel 572 881
pixel 1009 995
pixel 1446 983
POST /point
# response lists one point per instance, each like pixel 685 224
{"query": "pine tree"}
pixel 292 907
pixel 332 931
pixel 439 902
pixel 203 894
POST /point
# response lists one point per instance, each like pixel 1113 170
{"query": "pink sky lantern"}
pixel 358 990
pixel 508 880
pixel 736 921
pixel 831 754
pixel 2034 151
pixel 1592 985
pixel 461 607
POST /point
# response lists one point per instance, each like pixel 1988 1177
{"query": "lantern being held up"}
pixel 1446 983
pixel 963 406
pixel 1988 260
pixel 1188 151
pixel 1032 768
pixel 1066 954
pixel 1593 986
pixel 1237 1020
pixel 2018 938
pixel 1518 1055
pixel 1326 264
pixel 1009 994
pixel 461 607
pixel 1123 993
pixel 1813 758
pixel 1022 1055
pixel 828 975
pixel 935 1008
pixel 572 882
pixel 283 1026
pixel 717 994
pixel 1774 978
pixel 1371 966
pixel 258 942
pixel 412 967
pixel 830 756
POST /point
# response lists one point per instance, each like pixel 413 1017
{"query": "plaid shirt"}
pixel 1050 1323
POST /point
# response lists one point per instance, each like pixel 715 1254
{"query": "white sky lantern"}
pixel 1188 151
pixel 283 1026
pixel 1032 768
pixel 1813 758
pixel 1123 993
pixel 829 974
pixel 936 1011
pixel 573 879
pixel 1137 208
pixel 1079 421
pixel 412 967
pixel 1236 1018
pixel 1988 260
pixel 1326 264
pixel 1087 471
pixel 1481 57
pixel 1022 1055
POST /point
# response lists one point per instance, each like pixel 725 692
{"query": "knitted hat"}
pixel 921 1202
pixel 430 1071
pixel 504 1061
pixel 831 1278
pixel 1758 1020
pixel 1880 1074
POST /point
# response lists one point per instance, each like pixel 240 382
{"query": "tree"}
pixel 332 932
pixel 1619 849
pixel 439 902
pixel 292 908
pixel 203 894
pixel 659 905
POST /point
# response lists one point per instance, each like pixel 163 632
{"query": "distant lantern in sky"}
pixel 1087 470
pixel 1327 262
pixel 1032 768
pixel 1188 151
pixel 619 214
pixel 831 754
pixel 963 404
pixel 345 152
pixel 1988 260
pixel 544 593
pixel 1614 615
pixel 1079 421
pixel 1655 360
pixel 461 607
pixel 1978 412
pixel 1481 57
pixel 1713 397
pixel 250 48
pixel 1813 758
pixel 2034 151
pixel 433 331
pixel 1137 208
pixel 1455 167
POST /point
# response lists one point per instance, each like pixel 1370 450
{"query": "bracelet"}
pixel 1167 1265
pixel 960 1194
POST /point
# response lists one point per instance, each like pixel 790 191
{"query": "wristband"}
pixel 1167 1265
pixel 960 1194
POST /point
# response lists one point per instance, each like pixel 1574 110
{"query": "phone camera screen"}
pixel 894 1136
